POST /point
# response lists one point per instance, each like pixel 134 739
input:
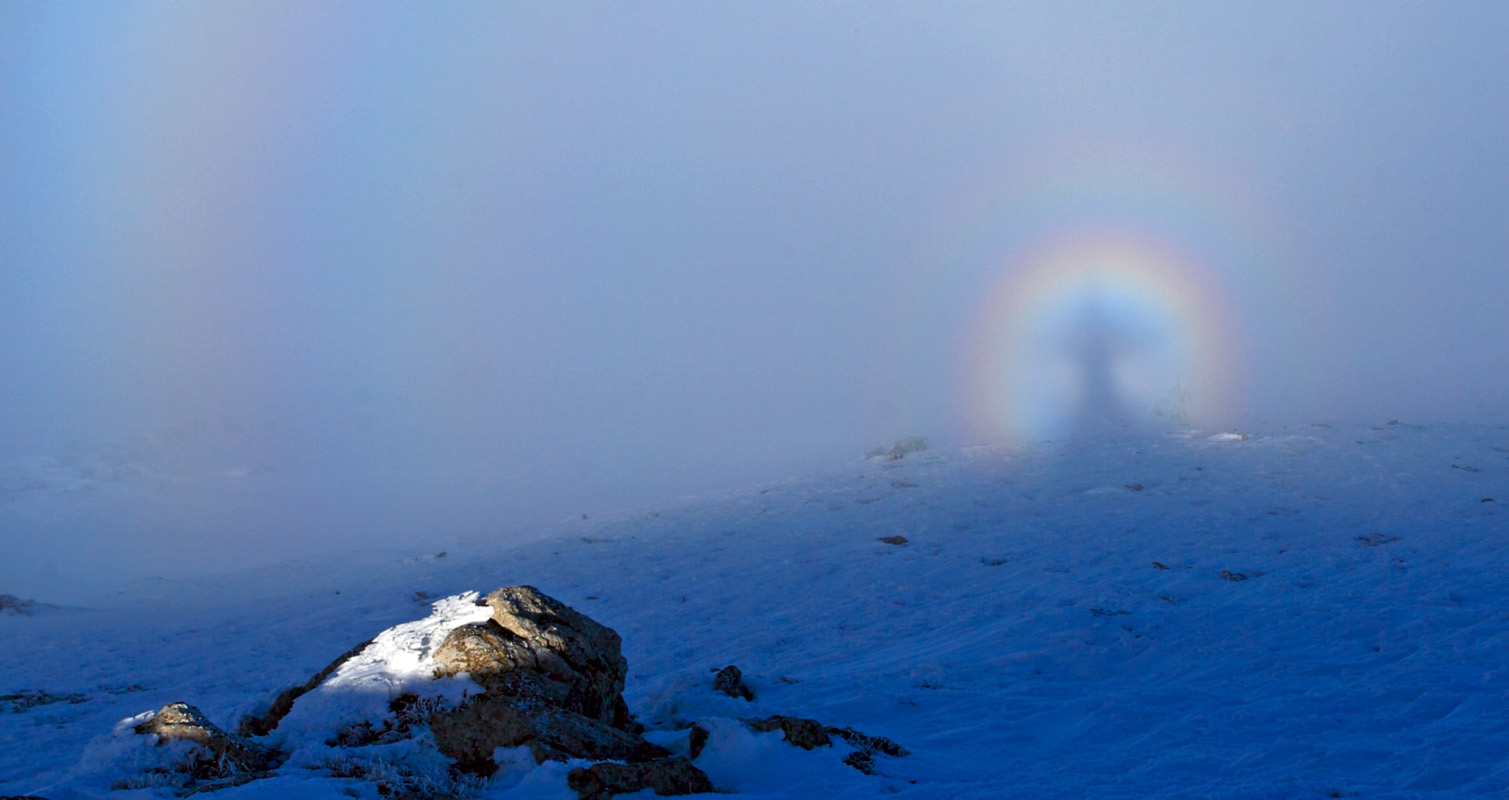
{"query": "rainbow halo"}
pixel 1095 331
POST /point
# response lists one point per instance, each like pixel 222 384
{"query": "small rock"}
pixel 730 681
pixel 862 761
pixel 896 540
pixel 907 446
pixel 673 775
pixel 225 753
pixel 1228 575
pixel 804 733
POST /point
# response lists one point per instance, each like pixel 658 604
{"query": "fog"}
pixel 279 279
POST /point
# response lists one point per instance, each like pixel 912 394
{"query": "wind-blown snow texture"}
pixel 1307 612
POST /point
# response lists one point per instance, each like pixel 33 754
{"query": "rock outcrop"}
pixel 551 681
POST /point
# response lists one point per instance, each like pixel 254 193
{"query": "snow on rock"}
pixel 399 661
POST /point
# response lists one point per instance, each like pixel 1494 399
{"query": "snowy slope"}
pixel 1309 611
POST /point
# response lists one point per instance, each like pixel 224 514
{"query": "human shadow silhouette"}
pixel 1096 345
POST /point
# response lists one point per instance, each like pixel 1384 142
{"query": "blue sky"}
pixel 574 255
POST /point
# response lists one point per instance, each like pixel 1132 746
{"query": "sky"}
pixel 303 275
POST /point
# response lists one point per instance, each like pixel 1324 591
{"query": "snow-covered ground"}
pixel 1303 611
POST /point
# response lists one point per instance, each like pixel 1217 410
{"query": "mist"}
pixel 287 279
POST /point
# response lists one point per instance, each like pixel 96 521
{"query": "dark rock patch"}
pixel 696 740
pixel 809 734
pixel 804 733
pixel 673 775
pixel 862 761
pixel 869 744
pixel 22 702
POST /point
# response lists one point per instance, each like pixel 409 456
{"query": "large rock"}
pixel 553 678
pixel 537 647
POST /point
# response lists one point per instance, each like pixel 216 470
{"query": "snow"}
pixel 398 660
pixel 1318 611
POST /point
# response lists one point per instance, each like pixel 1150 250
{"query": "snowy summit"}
pixel 1299 612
